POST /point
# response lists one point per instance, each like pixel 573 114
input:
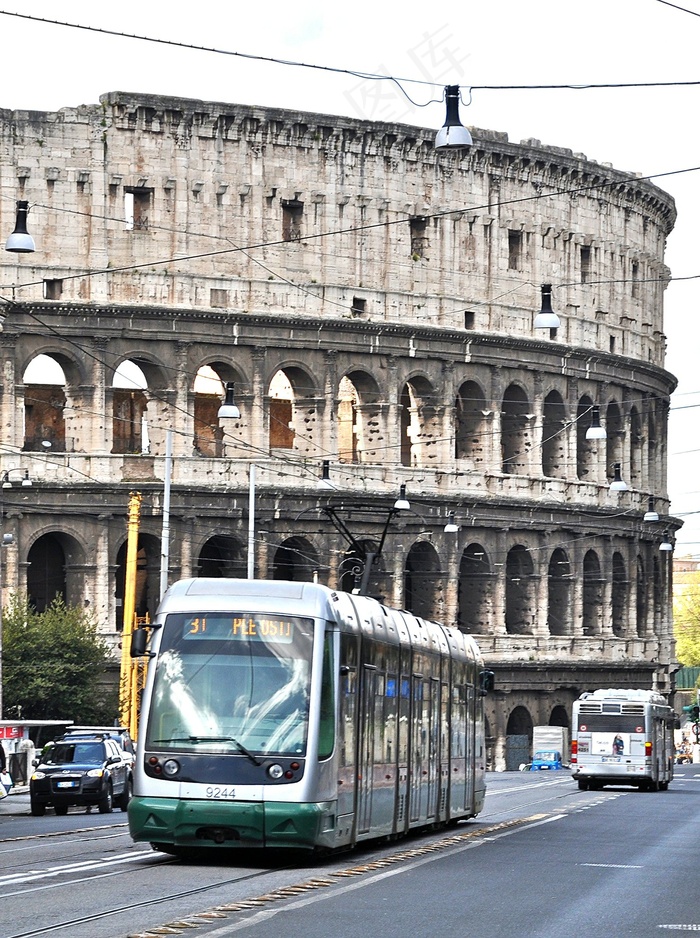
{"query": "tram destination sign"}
pixel 248 628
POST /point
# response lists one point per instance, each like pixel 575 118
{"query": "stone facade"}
pixel 373 303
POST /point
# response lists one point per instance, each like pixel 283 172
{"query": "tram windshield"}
pixel 233 682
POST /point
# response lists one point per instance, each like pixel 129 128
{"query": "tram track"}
pixel 290 891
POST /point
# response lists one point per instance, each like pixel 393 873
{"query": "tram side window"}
pixel 326 731
pixel 459 722
pixel 348 691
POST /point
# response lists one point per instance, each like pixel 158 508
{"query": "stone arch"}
pixel 586 450
pixel 636 449
pixel 653 443
pixel 294 408
pixel 55 564
pixel 559 716
pixel 470 425
pixel 422 583
pixel 222 556
pixel 619 594
pixel 518 738
pixel 420 430
pixel 147 593
pixel 516 431
pixel 592 594
pixel 554 422
pixel 521 601
pixel 475 591
pixel 615 439
pixel 45 399
pixel 358 415
pixel 641 599
pixel 658 594
pixel 208 393
pixel 559 591
pixel 129 406
pixel 295 559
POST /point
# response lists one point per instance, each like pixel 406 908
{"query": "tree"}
pixel 53 665
pixel 686 623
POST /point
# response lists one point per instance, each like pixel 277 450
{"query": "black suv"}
pixel 80 770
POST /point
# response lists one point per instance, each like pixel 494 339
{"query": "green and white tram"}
pixel 622 737
pixel 288 715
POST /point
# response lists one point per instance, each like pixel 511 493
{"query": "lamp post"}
pixel 229 411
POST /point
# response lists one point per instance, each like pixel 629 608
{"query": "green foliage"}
pixel 53 665
pixel 686 624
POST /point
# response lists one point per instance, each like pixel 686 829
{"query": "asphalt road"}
pixel 543 860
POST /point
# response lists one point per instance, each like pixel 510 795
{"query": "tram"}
pixel 288 715
pixel 622 737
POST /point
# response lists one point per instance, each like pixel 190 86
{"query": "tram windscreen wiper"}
pixel 220 739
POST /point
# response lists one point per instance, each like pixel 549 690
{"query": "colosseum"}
pixel 401 420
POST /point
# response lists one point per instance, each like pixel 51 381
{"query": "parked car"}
pixel 80 770
pixel 119 733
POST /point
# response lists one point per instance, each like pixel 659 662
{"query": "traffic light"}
pixel 693 711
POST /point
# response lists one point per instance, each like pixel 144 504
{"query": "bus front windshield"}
pixel 234 682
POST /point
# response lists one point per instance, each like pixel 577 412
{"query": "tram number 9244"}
pixel 289 715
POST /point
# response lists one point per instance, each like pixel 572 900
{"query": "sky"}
pixel 503 43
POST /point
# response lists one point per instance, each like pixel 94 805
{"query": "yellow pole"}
pixel 132 546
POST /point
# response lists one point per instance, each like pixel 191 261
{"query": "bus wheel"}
pixel 583 786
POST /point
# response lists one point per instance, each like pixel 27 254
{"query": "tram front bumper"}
pixel 234 824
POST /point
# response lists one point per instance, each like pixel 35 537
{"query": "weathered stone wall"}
pixel 373 303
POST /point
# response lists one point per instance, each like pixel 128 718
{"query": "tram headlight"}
pixel 275 771
pixel 171 767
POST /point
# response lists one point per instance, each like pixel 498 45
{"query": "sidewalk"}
pixel 14 803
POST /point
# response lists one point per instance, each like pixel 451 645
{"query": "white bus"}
pixel 622 737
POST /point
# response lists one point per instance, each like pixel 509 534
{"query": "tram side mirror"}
pixel 487 680
pixel 139 643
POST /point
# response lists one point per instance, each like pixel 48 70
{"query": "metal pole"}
pixel 165 534
pixel 251 521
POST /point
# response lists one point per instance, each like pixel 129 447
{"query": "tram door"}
pixel 425 726
pixel 365 761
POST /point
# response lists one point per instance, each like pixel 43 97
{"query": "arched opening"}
pixel 419 429
pixel 222 556
pixel 293 411
pixel 615 438
pixel 470 425
pixel 559 585
pixel 358 418
pixel 475 591
pixel 619 594
pixel 147 586
pixel 636 449
pixel 422 583
pixel 521 602
pixel 295 559
pixel 559 716
pixel 554 437
pixel 46 572
pixel 516 440
pixel 586 450
pixel 642 604
pixel 129 405
pixel 44 406
pixel 208 395
pixel 518 738
pixel 592 594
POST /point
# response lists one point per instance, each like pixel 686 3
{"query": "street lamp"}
pixel 20 241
